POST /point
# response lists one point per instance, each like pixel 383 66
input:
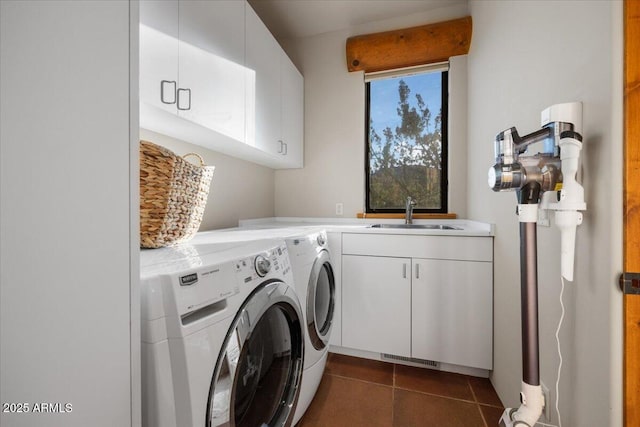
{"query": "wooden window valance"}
pixel 409 47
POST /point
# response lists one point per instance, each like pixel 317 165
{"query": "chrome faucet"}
pixel 408 219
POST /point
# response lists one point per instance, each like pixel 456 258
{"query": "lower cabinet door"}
pixel 452 306
pixel 376 294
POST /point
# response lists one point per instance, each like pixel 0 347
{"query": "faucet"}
pixel 408 219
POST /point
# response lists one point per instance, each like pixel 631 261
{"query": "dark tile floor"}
pixel 358 392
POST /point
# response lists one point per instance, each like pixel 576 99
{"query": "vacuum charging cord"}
pixel 559 351
pixel 560 363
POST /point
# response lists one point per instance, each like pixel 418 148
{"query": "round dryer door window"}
pixel 320 301
pixel 257 376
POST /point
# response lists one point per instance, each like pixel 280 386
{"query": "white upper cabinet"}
pixel 159 52
pixel 191 65
pixel 212 74
pixel 292 112
pixel 263 57
pixel 278 101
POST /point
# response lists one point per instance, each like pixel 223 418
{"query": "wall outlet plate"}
pixel 546 411
pixel 339 209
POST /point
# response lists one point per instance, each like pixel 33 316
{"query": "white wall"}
pixel 525 56
pixel 334 139
pixel 239 189
pixel 67 267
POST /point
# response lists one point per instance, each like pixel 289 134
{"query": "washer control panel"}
pixel 258 266
pixel 204 286
pixel 262 265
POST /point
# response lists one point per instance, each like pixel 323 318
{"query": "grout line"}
pixel 394 386
pixel 486 423
pixel 475 396
pixel 490 405
pixel 394 374
pixel 393 395
pixel 358 379
pixel 437 395
pixel 473 392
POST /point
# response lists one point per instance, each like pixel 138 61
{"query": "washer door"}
pixel 256 381
pixel 321 296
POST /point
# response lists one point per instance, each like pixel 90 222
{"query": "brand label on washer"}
pixel 189 279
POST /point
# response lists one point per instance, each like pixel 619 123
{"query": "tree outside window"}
pixel 407 143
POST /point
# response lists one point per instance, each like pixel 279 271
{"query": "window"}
pixel 406 150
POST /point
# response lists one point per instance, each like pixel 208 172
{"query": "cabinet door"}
pixel 159 49
pixel 452 312
pixel 292 112
pixel 376 310
pixel 263 57
pixel 212 73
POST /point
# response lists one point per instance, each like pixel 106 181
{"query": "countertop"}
pixel 354 225
pixel 189 254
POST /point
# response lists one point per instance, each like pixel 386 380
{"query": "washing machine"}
pixel 315 284
pixel 222 337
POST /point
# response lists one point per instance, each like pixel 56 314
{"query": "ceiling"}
pixel 303 18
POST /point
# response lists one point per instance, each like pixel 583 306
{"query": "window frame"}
pixel 444 184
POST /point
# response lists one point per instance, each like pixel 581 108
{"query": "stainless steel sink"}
pixel 419 226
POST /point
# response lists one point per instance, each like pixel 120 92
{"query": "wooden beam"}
pixel 632 209
pixel 427 44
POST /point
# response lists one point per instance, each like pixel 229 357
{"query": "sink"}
pixel 418 226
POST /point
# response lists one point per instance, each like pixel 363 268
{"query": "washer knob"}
pixel 262 265
pixel 321 239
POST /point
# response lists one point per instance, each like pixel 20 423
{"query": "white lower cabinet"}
pixel 376 300
pixel 452 312
pixel 433 308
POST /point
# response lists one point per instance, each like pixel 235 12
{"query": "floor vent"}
pixel 421 362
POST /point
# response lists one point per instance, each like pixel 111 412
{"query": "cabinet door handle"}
pixel 171 100
pixel 404 271
pixel 188 92
pixel 286 148
pixel 417 271
pixel 280 150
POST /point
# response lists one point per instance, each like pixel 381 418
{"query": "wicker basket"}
pixel 173 194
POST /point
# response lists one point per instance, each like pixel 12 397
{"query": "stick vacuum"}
pixel 543 181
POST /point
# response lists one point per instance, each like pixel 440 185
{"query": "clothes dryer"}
pixel 222 338
pixel 315 284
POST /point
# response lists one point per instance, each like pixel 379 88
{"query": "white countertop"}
pixel 209 242
pixel 355 225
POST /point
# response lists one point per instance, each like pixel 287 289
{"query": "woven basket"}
pixel 173 194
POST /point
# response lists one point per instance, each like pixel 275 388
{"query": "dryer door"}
pixel 321 296
pixel 257 377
